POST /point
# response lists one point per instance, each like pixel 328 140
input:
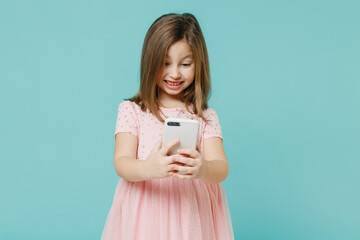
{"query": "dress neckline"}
pixel 172 108
pixel 175 108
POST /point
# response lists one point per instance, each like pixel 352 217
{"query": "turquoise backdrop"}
pixel 286 86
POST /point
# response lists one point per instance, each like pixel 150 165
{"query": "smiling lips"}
pixel 173 85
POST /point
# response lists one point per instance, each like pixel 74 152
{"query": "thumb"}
pixel 158 145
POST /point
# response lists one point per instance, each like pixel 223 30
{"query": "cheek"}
pixel 190 74
pixel 162 76
pixel 160 84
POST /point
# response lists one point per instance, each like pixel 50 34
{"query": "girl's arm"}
pixel 212 166
pixel 125 162
pixel 157 165
pixel 217 167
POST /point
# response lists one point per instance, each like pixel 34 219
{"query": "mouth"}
pixel 172 84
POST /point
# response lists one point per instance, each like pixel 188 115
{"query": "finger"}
pixel 183 176
pixel 191 152
pixel 197 148
pixel 171 159
pixel 175 157
pixel 185 160
pixel 171 168
pixel 185 170
pixel 170 173
pixel 158 145
pixel 179 163
pixel 165 149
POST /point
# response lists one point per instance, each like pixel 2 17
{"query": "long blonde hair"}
pixel 165 31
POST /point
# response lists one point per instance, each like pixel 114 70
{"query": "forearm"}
pixel 130 168
pixel 216 171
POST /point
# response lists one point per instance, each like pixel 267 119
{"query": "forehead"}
pixel 179 49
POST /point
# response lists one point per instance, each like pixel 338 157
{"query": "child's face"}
pixel 178 70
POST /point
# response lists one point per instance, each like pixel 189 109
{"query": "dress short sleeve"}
pixel 212 127
pixel 126 119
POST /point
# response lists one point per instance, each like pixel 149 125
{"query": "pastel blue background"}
pixel 285 77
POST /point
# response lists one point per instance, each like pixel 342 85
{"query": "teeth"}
pixel 173 84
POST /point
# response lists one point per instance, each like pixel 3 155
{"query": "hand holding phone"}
pixel 186 130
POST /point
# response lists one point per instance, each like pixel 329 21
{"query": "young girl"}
pixel 152 200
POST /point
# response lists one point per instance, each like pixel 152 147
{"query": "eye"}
pixel 186 64
pixel 166 64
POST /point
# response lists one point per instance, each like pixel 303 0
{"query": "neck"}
pixel 168 101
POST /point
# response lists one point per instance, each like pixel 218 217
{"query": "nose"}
pixel 174 72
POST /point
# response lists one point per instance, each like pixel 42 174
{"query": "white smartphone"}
pixel 186 130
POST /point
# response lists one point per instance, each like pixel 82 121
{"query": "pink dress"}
pixel 168 208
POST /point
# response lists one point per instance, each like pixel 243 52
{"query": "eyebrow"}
pixel 187 56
